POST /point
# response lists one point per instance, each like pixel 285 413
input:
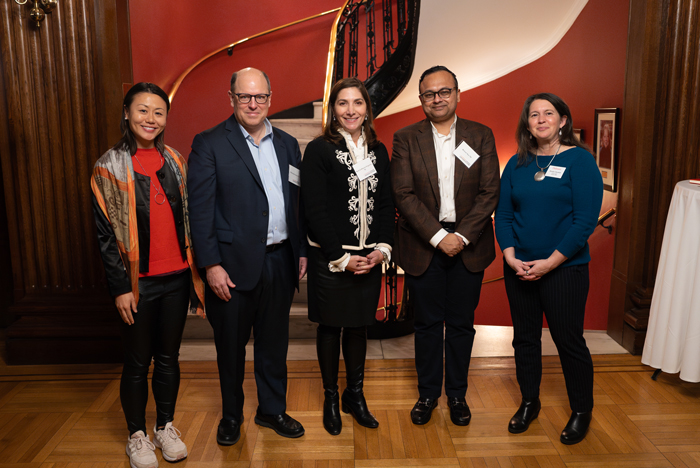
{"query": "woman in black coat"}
pixel 350 216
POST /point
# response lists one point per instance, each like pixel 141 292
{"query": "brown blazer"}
pixel 414 180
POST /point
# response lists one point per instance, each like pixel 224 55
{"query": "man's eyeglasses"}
pixel 259 98
pixel 444 93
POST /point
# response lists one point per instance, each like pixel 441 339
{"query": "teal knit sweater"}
pixel 537 218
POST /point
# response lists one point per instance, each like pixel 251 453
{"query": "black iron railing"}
pixel 384 75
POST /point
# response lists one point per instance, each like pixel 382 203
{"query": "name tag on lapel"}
pixel 466 154
pixel 294 176
pixel 364 169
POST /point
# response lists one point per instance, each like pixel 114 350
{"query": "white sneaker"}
pixel 141 451
pixel 168 440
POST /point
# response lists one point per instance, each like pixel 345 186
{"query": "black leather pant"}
pixel 155 335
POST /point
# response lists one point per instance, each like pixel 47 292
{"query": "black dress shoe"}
pixel 576 428
pixel 354 403
pixel 422 410
pixel 282 424
pixel 229 432
pixel 459 411
pixel 331 412
pixel 528 411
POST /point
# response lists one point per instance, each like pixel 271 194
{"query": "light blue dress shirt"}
pixel 268 167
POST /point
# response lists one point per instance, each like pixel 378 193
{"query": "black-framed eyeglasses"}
pixel 444 93
pixel 259 98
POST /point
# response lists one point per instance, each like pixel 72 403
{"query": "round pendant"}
pixel 163 199
pixel 539 176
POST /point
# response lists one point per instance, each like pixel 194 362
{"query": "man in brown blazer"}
pixel 445 181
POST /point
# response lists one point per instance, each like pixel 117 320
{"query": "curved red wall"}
pixel 586 69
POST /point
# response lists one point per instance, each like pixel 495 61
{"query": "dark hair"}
pixel 527 146
pixel 234 77
pixel 330 130
pixel 436 69
pixel 128 140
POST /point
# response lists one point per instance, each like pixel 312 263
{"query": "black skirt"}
pixel 342 299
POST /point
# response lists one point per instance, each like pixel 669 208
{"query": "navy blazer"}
pixel 228 207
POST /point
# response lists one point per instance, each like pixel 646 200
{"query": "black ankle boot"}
pixel 331 412
pixel 528 411
pixel 354 403
pixel 353 399
pixel 576 428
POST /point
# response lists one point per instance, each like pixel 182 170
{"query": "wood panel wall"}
pixel 62 91
pixel 660 146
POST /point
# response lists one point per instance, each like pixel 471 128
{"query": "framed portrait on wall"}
pixel 605 146
pixel 578 133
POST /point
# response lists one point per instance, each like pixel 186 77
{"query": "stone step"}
pixel 300 327
pixel 304 130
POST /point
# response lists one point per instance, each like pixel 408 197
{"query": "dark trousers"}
pixel 444 299
pixel 561 294
pixel 155 335
pixel 265 309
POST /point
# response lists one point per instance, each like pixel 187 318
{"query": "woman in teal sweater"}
pixel 551 193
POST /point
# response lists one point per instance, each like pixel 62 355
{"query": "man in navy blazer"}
pixel 243 188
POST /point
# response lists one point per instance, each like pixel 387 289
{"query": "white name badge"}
pixel 555 171
pixel 364 168
pixel 294 176
pixel 466 154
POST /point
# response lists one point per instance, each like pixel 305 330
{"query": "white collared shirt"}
pixel 444 149
pixel 444 155
pixel 265 159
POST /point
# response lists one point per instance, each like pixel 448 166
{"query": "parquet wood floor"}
pixel 70 417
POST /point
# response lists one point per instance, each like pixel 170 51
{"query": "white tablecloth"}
pixel 673 337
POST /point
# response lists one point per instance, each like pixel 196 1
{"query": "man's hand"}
pixel 452 244
pixel 303 263
pixel 126 304
pixel 219 282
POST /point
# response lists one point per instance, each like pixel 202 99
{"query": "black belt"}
pixel 448 226
pixel 272 247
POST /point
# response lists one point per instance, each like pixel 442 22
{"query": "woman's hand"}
pixel 375 257
pixel 126 304
pixel 514 263
pixel 535 269
pixel 359 265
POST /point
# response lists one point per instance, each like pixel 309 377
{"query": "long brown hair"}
pixel 527 146
pixel 330 130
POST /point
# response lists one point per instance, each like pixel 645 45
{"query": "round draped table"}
pixel 673 336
